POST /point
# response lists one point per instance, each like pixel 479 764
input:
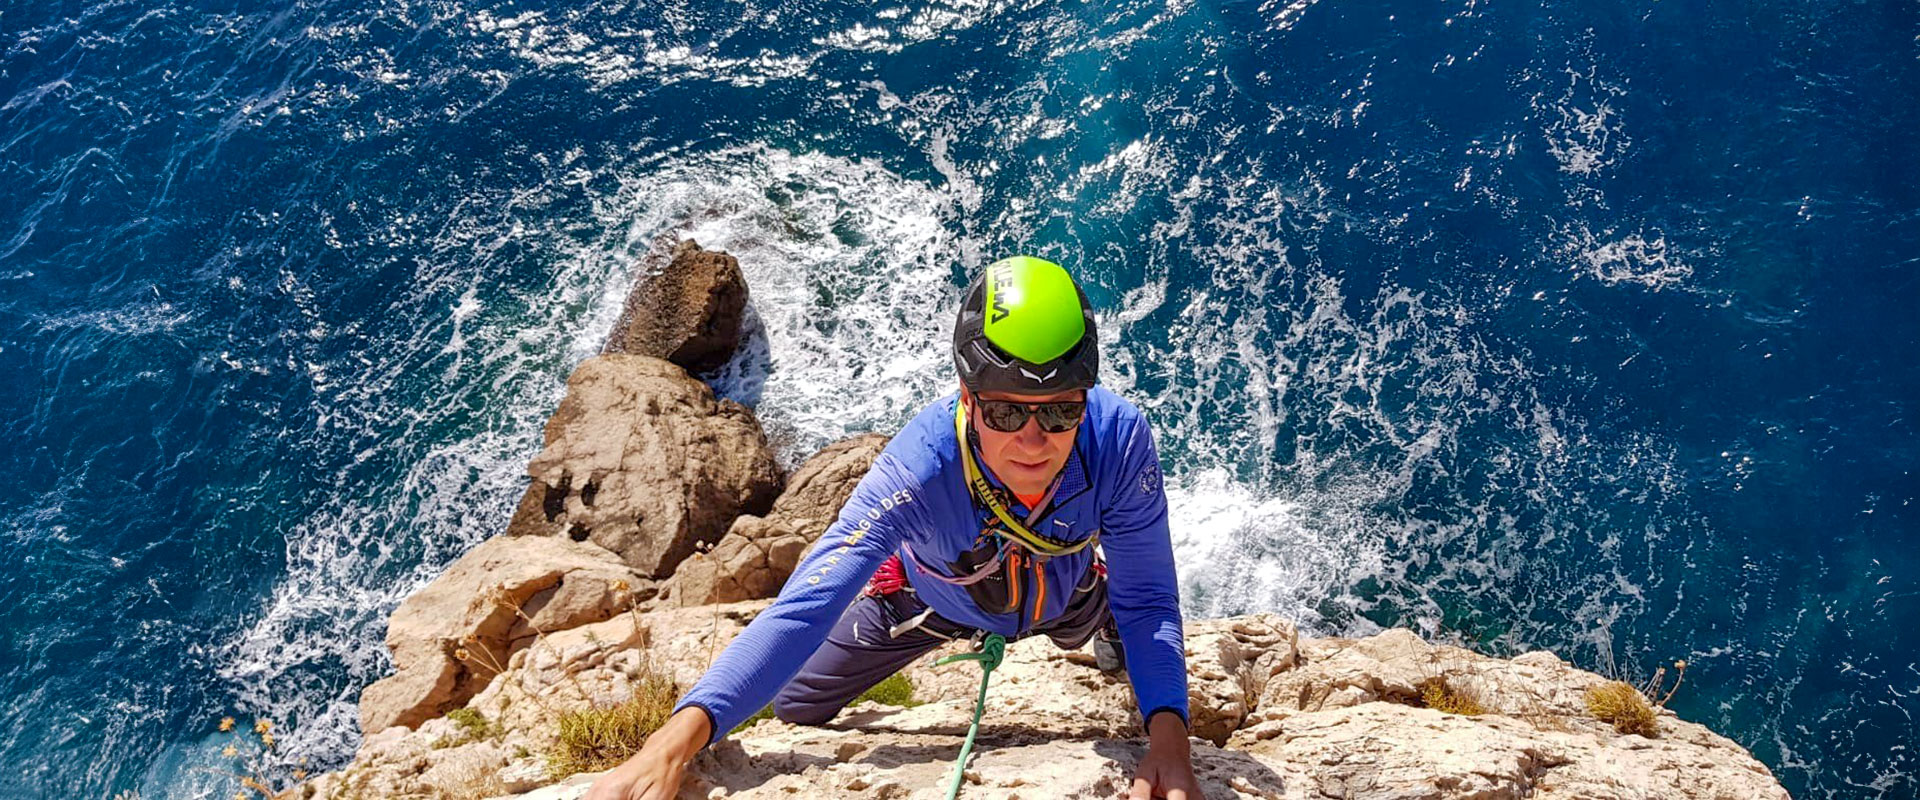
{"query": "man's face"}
pixel 1027 459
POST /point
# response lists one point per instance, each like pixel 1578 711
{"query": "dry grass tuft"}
pixel 600 738
pixel 1440 696
pixel 470 781
pixel 1622 706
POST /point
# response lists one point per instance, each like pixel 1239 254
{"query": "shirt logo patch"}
pixel 1150 479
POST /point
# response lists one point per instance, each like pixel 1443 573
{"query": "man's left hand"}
pixel 1167 769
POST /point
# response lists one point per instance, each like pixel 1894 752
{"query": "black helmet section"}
pixel 984 367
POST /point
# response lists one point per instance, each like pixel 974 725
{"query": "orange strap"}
pixel 1013 575
pixel 1040 594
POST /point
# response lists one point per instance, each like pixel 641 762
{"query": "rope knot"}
pixel 993 650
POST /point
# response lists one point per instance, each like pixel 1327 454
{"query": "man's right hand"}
pixel 655 772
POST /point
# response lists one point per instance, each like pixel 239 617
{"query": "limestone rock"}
pixel 1385 750
pixel 1372 752
pixel 1038 686
pixel 437 760
pixel 1056 727
pixel 643 461
pixel 777 760
pixel 689 312
pixel 1396 666
pixel 822 484
pixel 757 555
pixel 753 560
pixel 1064 693
pixel 1393 666
pixel 413 694
pixel 597 665
pixel 592 665
pixel 1229 664
pixel 1350 714
pixel 489 602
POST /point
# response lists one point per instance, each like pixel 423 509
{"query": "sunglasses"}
pixel 1006 416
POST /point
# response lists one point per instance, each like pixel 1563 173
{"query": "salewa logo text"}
pixel 1002 278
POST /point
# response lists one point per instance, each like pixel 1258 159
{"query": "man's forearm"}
pixel 685 733
pixel 1168 730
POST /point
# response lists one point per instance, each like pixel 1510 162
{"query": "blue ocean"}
pixel 1581 326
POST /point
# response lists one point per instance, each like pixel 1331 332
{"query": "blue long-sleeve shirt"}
pixel 916 493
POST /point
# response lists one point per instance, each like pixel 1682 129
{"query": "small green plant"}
pixel 473 726
pixel 764 713
pixel 600 738
pixel 896 690
pixel 1440 696
pixel 473 723
pixel 1621 705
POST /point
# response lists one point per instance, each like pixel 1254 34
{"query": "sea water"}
pixel 1585 327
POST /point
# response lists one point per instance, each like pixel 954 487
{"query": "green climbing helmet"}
pixel 1025 327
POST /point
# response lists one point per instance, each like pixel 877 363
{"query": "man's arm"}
pixel 1144 594
pixel 780 639
pixel 777 642
pixel 1141 586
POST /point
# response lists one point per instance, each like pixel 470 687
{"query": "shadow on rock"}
pixel 743 378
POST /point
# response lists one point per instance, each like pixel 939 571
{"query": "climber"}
pixel 1029 502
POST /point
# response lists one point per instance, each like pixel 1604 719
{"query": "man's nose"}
pixel 1030 434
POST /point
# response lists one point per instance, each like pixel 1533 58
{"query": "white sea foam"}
pixel 143 318
pixel 1585 131
pixel 546 45
pixel 849 267
pixel 1285 13
pixel 1240 552
pixel 591 43
pixel 1629 259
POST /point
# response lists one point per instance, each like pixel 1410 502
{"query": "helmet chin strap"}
pixel 982 491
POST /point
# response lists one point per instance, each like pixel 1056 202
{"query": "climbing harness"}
pixel 992 650
pixel 1028 546
pixel 1017 546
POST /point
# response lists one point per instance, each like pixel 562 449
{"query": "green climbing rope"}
pixel 991 651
